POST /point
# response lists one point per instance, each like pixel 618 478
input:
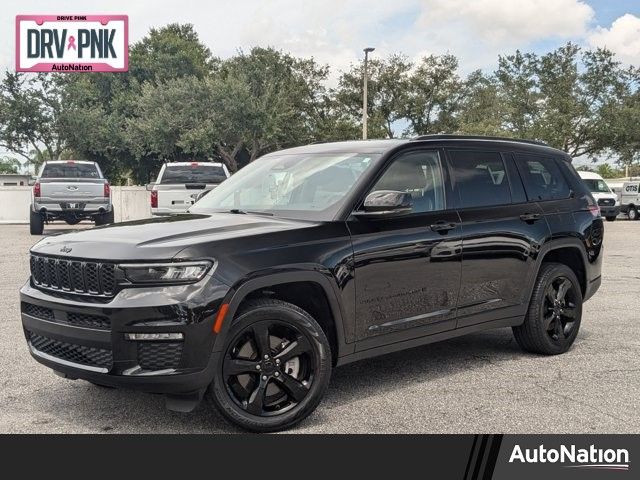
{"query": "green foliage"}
pixel 9 165
pixel 179 102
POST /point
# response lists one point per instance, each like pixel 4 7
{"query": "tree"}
pixel 9 165
pixel 433 96
pixel 480 111
pixel 386 91
pixel 580 97
pixel 30 113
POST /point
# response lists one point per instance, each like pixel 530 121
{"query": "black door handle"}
pixel 530 217
pixel 443 227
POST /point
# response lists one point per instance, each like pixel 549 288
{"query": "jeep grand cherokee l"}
pixel 314 257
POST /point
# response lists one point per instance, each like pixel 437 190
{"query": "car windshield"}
pixel 70 170
pixel 306 186
pixel 192 173
pixel 597 186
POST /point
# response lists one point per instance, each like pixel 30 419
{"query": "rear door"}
pixel 502 233
pixel 180 183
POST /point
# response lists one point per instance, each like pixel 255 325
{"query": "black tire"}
pixel 36 223
pixel 553 319
pixel 611 218
pixel 271 390
pixel 105 218
pixel 633 213
pixel 101 385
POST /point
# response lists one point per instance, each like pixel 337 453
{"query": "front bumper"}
pixel 86 340
pixel 609 211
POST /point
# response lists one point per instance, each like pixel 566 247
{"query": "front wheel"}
pixel 633 213
pixel 275 367
pixel 553 319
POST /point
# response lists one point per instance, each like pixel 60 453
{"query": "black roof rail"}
pixel 477 137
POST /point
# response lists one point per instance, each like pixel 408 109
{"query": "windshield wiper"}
pixel 237 211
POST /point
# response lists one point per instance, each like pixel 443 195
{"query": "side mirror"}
pixel 150 186
pixel 385 203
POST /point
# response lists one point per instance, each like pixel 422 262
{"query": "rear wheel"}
pixel 275 368
pixel 553 319
pixel 105 218
pixel 633 213
pixel 611 218
pixel 36 223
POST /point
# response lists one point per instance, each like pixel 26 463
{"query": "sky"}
pixel 335 31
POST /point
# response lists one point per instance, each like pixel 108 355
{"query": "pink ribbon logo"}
pixel 72 43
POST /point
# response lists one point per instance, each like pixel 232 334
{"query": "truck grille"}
pixel 606 202
pixel 91 356
pixel 73 276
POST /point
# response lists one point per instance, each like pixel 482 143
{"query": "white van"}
pixel 180 184
pixel 630 199
pixel 608 201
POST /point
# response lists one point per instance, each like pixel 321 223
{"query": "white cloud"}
pixel 623 38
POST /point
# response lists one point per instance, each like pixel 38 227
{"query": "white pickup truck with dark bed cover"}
pixel 72 191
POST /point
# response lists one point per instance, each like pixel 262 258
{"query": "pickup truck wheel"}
pixel 553 319
pixel 275 367
pixel 633 213
pixel 611 218
pixel 105 218
pixel 36 223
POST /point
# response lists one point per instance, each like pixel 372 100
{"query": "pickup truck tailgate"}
pixel 71 189
pixel 178 198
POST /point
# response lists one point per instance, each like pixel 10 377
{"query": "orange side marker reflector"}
pixel 217 326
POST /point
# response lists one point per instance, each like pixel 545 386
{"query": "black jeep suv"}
pixel 314 257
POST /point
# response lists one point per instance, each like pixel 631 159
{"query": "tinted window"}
pixel 542 177
pixel 196 173
pixel 70 170
pixel 480 178
pixel 417 173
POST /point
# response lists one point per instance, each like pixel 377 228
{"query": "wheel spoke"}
pixel 238 366
pixel 563 289
pixel 261 338
pixel 294 349
pixel 547 322
pixel 559 329
pixel 255 403
pixel 570 313
pixel 551 294
pixel 292 387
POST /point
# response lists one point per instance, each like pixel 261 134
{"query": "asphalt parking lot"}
pixel 479 383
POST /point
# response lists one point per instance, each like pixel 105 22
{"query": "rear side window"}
pixel 195 173
pixel 542 178
pixel 70 170
pixel 480 178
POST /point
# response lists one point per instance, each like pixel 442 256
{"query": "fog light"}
pixel 154 336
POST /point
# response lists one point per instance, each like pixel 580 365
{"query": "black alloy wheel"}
pixel 555 311
pixel 559 314
pixel 274 369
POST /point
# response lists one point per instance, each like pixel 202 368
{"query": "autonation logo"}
pixel 573 457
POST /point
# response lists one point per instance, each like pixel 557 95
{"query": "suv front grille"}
pixel 73 276
pixel 91 356
pixel 606 202
pixel 37 311
pixel 70 318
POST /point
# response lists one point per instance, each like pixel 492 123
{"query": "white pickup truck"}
pixel 180 184
pixel 72 191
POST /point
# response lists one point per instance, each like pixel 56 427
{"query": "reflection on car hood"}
pixel 160 238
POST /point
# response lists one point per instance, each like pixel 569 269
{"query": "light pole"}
pixel 364 93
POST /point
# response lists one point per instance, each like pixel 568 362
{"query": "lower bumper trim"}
pixel 66 363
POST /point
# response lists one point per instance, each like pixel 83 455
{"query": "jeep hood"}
pixel 160 238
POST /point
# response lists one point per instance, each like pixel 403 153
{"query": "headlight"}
pixel 175 272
